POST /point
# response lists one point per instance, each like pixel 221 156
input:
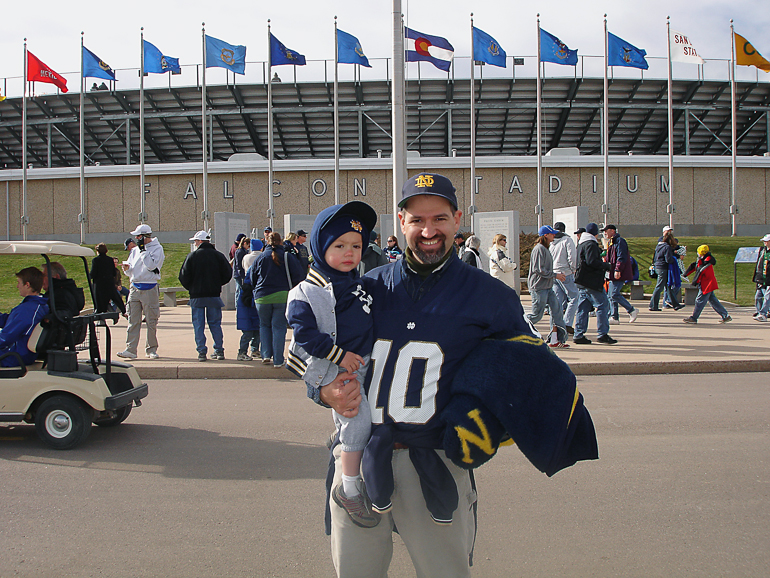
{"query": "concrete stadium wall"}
pixel 637 198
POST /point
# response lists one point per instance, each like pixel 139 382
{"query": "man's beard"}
pixel 433 257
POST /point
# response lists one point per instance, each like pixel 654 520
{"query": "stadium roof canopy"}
pixel 437 120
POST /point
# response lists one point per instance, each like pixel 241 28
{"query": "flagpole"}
pixel 142 214
pixel 24 148
pixel 670 208
pixel 399 132
pixel 605 129
pixel 539 208
pixel 205 213
pixel 270 211
pixel 336 118
pixel 733 208
pixel 82 215
pixel 472 208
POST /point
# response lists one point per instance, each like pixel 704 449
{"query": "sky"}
pixel 52 29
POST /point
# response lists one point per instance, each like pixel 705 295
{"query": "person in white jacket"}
pixel 500 265
pixel 564 255
pixel 143 268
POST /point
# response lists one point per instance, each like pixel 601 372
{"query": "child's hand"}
pixel 351 362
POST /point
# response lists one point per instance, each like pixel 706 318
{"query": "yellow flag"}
pixel 747 55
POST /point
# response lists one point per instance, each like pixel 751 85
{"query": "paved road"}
pixel 224 478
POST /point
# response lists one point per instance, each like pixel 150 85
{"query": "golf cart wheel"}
pixel 62 422
pixel 120 416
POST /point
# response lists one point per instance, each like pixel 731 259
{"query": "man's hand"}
pixel 351 362
pixel 343 394
pixel 561 276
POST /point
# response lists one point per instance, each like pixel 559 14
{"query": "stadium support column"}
pixel 399 129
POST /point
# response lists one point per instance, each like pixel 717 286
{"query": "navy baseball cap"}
pixel 428 184
pixel 592 229
pixel 547 230
pixel 580 231
pixel 613 227
pixel 301 233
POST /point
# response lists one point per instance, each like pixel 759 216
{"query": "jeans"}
pixel 762 300
pixel 702 299
pixel 272 330
pixel 567 294
pixel 212 315
pixel 587 298
pixel 617 299
pixel 660 286
pixel 238 287
pixel 539 301
pixel 249 337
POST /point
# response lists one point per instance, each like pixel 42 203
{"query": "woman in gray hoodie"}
pixel 540 281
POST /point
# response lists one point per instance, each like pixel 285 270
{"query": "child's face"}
pixel 344 254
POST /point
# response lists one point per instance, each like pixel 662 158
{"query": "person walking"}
pixel 664 257
pixel 540 282
pixel 762 279
pixel 621 271
pixel 501 266
pixel 706 281
pixel 143 268
pixel 564 253
pixel 272 275
pixel 103 272
pixel 471 254
pixel 203 274
pixel 590 281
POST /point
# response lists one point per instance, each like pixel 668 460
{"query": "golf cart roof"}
pixel 44 247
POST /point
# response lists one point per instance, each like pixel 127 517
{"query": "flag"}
pixel 37 71
pixel 220 54
pixel 554 50
pixel 279 54
pixel 682 49
pixel 747 55
pixel 349 50
pixel 622 53
pixel 95 67
pixel 486 49
pixel 433 49
pixel 157 63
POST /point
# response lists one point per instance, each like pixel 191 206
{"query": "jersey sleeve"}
pixel 306 332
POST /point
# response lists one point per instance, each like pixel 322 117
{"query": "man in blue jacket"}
pixel 17 325
pixel 621 271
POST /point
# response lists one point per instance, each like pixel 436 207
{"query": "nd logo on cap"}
pixel 423 181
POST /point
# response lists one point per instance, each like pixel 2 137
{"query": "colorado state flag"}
pixel 433 49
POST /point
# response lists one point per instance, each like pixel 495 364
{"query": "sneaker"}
pixel 726 319
pixel 201 357
pixel 760 317
pixel 755 315
pixel 266 360
pixel 633 314
pixel 243 357
pixel 559 344
pixel 690 320
pixel 126 354
pixel 358 509
pixel 254 354
pixel 655 309
pixel 279 366
pixel 583 340
pixel 607 339
pixel 592 313
pixel 680 306
pixel 152 355
pixel 219 356
pixel 614 321
pixel 668 306
pixel 570 330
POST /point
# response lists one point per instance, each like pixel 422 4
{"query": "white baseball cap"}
pixel 201 236
pixel 667 228
pixel 142 229
pixel 765 238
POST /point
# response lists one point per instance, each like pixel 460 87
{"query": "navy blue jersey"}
pixel 419 344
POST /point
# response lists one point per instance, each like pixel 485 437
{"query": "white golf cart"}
pixel 59 393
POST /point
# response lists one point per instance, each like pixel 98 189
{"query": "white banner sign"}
pixel 682 49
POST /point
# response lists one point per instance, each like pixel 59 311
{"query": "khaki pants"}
pixel 437 551
pixel 143 304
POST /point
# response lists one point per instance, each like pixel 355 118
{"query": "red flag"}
pixel 37 71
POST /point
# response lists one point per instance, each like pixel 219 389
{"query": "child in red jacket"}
pixel 707 283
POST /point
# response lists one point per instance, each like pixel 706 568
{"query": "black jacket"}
pixel 591 268
pixel 204 271
pixel 103 270
pixel 69 299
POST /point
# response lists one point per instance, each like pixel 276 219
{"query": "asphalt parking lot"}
pixel 225 478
